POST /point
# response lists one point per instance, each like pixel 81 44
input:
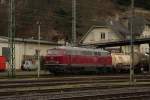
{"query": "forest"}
pixel 55 16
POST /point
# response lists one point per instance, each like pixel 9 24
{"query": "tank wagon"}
pixel 77 60
pixel 121 61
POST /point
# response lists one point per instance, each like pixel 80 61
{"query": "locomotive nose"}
pixel 51 60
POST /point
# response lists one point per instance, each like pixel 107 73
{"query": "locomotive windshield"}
pixel 54 52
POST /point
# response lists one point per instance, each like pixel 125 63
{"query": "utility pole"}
pixel 74 35
pixel 11 38
pixel 132 47
pixel 149 57
pixel 39 37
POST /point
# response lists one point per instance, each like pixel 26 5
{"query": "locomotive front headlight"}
pixel 51 58
pixel 57 62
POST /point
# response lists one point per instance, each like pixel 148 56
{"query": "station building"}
pixel 115 31
pixel 25 48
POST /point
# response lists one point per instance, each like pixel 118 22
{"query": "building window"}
pixel 102 35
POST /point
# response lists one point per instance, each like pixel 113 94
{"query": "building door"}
pixel 6 52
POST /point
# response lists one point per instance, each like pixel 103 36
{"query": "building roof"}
pixel 4 39
pixel 91 28
pixel 120 29
pixel 117 27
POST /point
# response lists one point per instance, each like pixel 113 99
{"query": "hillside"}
pixel 56 16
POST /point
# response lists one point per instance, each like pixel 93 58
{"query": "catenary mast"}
pixel 11 37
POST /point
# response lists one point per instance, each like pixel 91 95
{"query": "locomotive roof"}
pixel 80 49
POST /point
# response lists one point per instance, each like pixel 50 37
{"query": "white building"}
pixel 107 33
pixel 100 34
pixel 146 34
pixel 24 47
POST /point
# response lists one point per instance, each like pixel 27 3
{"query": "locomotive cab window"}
pixel 99 53
pixel 68 52
pixel 95 53
pixel 105 53
pixel 74 52
pixel 87 53
pixel 55 52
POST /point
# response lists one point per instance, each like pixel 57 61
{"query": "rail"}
pixel 103 94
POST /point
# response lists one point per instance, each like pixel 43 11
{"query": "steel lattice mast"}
pixel 74 22
pixel 11 37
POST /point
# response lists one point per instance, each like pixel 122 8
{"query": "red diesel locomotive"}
pixel 76 60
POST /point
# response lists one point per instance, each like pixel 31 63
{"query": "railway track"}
pixel 130 93
pixel 20 76
pixel 18 87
